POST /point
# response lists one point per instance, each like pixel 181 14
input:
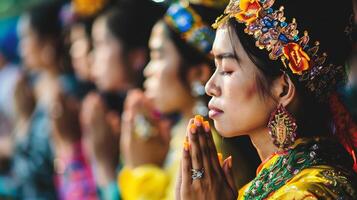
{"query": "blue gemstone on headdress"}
pixel 181 17
pixel 268 23
pixel 283 24
pixel 265 29
pixel 269 11
pixel 283 38
pixel 296 38
pixel 262 1
pixel 173 9
pixel 184 22
pixel 202 39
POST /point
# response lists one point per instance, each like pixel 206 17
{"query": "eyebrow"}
pixel 225 55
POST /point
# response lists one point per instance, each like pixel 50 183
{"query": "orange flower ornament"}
pixel 297 57
pixel 249 11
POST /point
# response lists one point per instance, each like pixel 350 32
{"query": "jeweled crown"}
pixel 284 41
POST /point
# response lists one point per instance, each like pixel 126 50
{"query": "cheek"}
pixel 244 109
pixel 29 51
pixel 169 89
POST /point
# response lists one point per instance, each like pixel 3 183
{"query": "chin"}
pixel 222 130
pixel 226 131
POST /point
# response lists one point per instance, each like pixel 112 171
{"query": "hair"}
pixel 45 21
pixel 131 25
pixel 313 116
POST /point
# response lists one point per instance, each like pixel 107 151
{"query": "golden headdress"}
pixel 284 41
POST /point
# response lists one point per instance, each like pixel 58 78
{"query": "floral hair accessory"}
pixel 88 7
pixel 283 41
pixel 189 25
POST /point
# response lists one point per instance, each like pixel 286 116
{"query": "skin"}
pixel 109 68
pixel 39 55
pixel 237 108
pixel 162 84
pixel 31 47
pixel 165 92
pixel 80 52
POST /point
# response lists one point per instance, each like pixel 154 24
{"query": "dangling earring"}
pixel 198 91
pixel 282 128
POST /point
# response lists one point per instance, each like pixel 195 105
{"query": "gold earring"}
pixel 282 128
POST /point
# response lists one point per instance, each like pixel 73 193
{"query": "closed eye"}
pixel 225 73
pixel 225 56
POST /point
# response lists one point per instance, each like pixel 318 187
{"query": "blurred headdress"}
pixel 87 8
pixel 184 20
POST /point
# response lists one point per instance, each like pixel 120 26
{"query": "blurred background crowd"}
pixel 95 96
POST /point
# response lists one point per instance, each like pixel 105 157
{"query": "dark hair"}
pixel 131 24
pixel 45 20
pixel 190 56
pixel 325 21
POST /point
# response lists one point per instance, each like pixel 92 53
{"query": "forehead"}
pixel 99 27
pixel 223 41
pixel 158 36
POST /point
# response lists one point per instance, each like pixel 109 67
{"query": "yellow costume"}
pixel 312 169
pixel 152 182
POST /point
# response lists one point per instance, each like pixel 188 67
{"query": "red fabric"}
pixel 77 180
pixel 346 129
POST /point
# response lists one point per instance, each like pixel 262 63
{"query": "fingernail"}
pixel 206 126
pixel 198 120
pixel 186 144
pixel 193 128
pixel 220 158
pixel 230 161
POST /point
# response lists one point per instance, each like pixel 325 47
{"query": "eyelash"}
pixel 226 73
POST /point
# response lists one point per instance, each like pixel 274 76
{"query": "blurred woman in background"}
pixel 52 143
pixel 119 54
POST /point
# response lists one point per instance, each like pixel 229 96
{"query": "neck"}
pixel 263 144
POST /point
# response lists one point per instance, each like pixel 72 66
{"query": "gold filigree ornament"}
pixel 283 41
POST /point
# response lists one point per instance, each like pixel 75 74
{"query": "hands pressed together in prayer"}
pixel 202 176
pixel 148 144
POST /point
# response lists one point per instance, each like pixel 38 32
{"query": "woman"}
pixel 153 120
pixel 48 158
pixel 119 54
pixel 272 82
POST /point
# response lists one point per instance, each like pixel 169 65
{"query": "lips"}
pixel 214 111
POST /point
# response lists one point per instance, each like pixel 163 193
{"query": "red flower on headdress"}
pixel 249 11
pixel 297 57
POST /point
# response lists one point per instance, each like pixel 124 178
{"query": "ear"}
pixel 201 73
pixel 284 90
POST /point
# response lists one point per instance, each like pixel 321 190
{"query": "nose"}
pixel 148 71
pixel 211 87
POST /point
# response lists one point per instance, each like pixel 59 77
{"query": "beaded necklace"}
pixel 306 154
